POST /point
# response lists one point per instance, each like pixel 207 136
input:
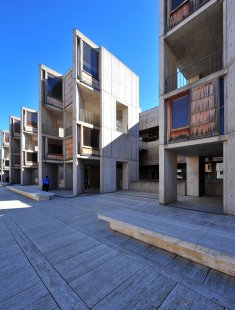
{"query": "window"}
pixel 175 4
pixel 32 157
pixel 91 137
pixel 32 119
pixel 55 146
pixel 16 126
pixel 90 60
pixel 180 112
pixel 6 137
pixel 54 87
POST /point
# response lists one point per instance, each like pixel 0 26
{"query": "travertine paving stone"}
pixel 221 283
pixel 36 297
pixel 181 298
pixel 144 290
pixel 96 284
pixel 81 264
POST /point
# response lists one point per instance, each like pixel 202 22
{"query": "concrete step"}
pixel 31 192
pixel 205 243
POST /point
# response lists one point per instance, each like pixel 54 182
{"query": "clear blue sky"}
pixel 34 32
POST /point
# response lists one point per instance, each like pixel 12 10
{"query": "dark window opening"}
pixel 175 4
pixel 149 135
pixel 33 157
pixel 91 137
pixel 54 87
pixel 90 60
pixel 55 147
pixel 16 126
pixel 180 112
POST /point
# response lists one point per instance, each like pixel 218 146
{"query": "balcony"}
pixel 90 151
pixel 197 114
pixel 192 73
pixel 177 11
pixel 89 117
pixel 52 131
pixel 57 157
pixel 30 128
pixel 30 159
pixel 6 163
pixel 122 127
pixel 55 150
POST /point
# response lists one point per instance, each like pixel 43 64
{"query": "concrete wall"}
pixel 118 84
pixel 151 155
pixel 149 118
pixel 69 176
pixel 153 187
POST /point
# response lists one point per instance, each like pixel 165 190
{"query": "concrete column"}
pixel 125 178
pixel 80 176
pixel 229 175
pixel 193 176
pixel 167 176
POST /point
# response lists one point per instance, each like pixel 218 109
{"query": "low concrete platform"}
pixel 31 191
pixel 201 242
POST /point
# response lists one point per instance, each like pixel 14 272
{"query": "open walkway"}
pixel 56 254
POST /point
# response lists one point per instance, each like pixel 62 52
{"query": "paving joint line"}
pixel 64 296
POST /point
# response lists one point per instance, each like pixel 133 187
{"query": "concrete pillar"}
pixel 192 176
pixel 229 175
pixel 167 176
pixel 125 179
pixel 107 175
pixel 80 176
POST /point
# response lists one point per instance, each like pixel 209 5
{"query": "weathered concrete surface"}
pixel 205 244
pixel 59 245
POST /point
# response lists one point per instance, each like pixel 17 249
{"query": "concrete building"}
pixel 197 97
pixel 88 122
pixel 4 155
pixel 149 144
pixel 14 150
pixel 149 156
pixel 29 146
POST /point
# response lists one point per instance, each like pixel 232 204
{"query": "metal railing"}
pixel 89 117
pixel 191 73
pixel 184 10
pixel 121 127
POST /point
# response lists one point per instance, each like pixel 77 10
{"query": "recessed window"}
pixel 32 118
pixel 90 60
pixel 180 112
pixel 91 137
pixel 54 87
pixel 175 4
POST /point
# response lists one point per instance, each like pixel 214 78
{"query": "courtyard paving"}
pixel 56 254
